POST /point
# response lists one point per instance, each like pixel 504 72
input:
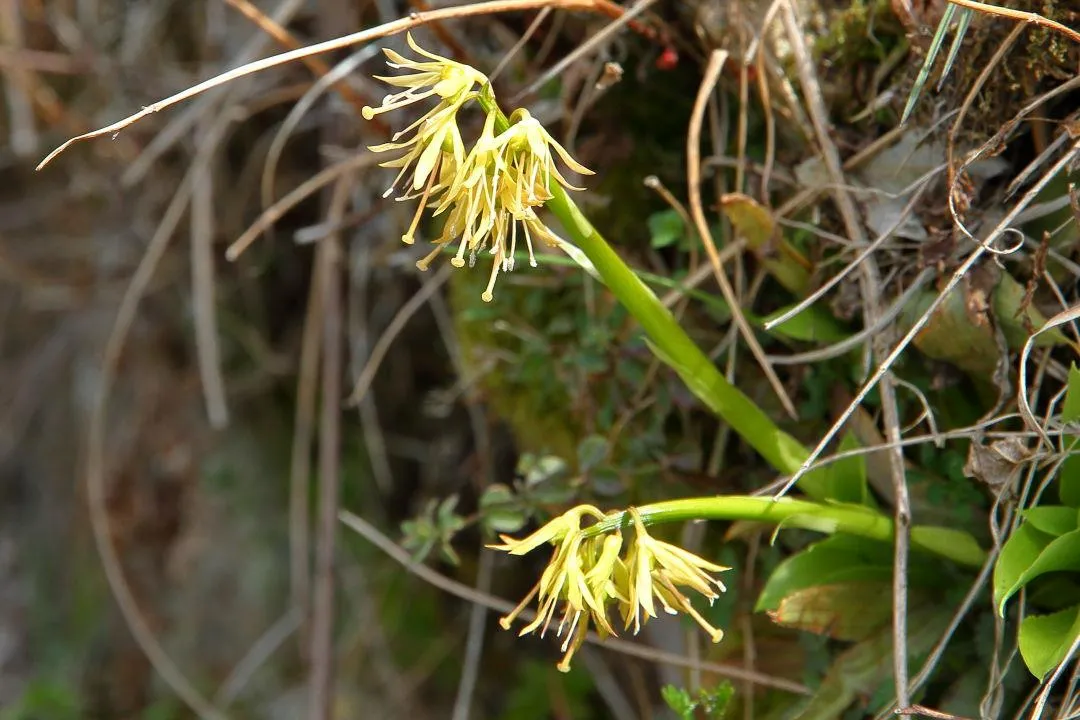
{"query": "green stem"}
pixel 672 345
pixel 948 543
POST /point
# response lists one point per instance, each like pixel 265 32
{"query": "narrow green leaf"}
pixel 846 477
pixel 1053 520
pixel 1045 640
pixel 928 63
pixel 1059 554
pixel 814 324
pixel 838 559
pixel 963 22
pixel 948 542
pixel 1070 409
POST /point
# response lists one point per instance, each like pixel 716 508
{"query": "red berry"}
pixel 668 59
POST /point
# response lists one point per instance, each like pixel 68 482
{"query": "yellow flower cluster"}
pixel 586 576
pixel 484 193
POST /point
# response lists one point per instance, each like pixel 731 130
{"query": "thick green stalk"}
pixel 948 543
pixel 675 348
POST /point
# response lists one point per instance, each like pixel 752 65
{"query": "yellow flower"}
pixel 604 579
pixel 435 151
pixel 587 575
pixel 657 568
pixel 557 531
pixel 451 81
pixel 566 580
pixel 484 193
pixel 528 147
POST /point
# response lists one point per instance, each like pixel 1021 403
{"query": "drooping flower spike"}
pixel 588 578
pixel 484 192
pixel 657 570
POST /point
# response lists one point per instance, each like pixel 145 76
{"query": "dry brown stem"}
pixel 390 28
pixel 697 211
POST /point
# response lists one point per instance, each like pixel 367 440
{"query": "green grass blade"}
pixel 928 63
pixel 963 22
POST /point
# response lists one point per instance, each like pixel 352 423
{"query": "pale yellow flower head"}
pixel 435 151
pixel 587 578
pixel 528 149
pixel 657 570
pixel 564 583
pixel 487 194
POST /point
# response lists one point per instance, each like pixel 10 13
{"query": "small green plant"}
pixel 485 193
pixel 705 704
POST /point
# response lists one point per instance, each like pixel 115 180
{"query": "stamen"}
pixel 572 632
pixel 506 620
pixel 458 260
pixel 528 243
pixel 395 101
pixel 513 241
pixel 425 262
pixel 408 238
pixel 488 295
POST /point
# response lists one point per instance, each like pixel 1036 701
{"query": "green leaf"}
pixel 814 324
pixel 592 451
pixel 1017 318
pixel 606 481
pixel 715 702
pixel 846 478
pixel 1017 555
pixel 666 228
pixel 850 610
pixel 536 470
pixel 1069 480
pixel 837 559
pixel 756 224
pixel 859 671
pixel 948 542
pixel 956 332
pixel 679 700
pixel 1053 520
pixel 1027 555
pixel 1045 640
pixel 501 510
pixel 963 22
pixel 712 703
pixel 928 62
pixel 1070 409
